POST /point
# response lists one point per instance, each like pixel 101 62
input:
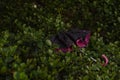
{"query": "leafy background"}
pixel 26 52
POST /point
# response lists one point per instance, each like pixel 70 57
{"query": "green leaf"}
pixel 16 76
pixel 48 42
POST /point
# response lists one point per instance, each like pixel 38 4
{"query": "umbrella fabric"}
pixel 66 39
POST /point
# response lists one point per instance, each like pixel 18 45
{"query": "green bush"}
pixel 28 55
pixel 41 14
pixel 26 52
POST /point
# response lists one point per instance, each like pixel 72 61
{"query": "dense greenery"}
pixel 26 52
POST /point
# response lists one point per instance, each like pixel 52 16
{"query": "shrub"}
pixel 85 14
pixel 27 54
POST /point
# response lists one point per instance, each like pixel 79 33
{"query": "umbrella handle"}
pixel 105 60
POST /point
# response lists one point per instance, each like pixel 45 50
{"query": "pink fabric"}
pixel 81 43
pixel 87 38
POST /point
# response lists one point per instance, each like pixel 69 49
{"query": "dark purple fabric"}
pixel 66 39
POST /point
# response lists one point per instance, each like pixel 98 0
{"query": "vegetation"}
pixel 26 52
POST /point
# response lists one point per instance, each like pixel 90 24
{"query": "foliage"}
pixel 27 56
pixel 26 52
